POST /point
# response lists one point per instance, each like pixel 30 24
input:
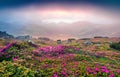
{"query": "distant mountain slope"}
pixel 78 29
pixel 5 35
pixel 64 30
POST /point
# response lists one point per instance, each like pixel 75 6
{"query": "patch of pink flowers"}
pixel 112 75
pixel 15 58
pixel 96 69
pixel 118 71
pixel 55 75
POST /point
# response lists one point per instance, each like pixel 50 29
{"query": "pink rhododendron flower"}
pixel 89 69
pixel 104 67
pixel 96 69
pixel 83 61
pixel 94 73
pixel 64 64
pixel 76 63
pixel 55 75
pixel 1 49
pixel 15 59
pixel 112 75
pixel 106 71
pixel 118 71
pixel 96 65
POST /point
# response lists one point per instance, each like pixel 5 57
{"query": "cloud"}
pixel 57 14
pixel 60 22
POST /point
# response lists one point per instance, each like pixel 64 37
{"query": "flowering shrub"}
pixel 23 60
pixel 12 50
pixel 54 50
pixel 115 46
pixel 9 69
pixel 98 70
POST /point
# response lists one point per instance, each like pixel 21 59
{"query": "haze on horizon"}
pixel 60 19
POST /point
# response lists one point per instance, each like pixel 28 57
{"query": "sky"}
pixel 60 19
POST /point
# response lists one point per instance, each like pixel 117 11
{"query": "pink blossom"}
pixel 64 64
pixel 89 69
pixel 83 61
pixel 1 49
pixel 94 73
pixel 63 73
pixel 15 59
pixel 96 69
pixel 77 49
pixel 112 75
pixel 76 63
pixel 118 71
pixel 8 45
pixel 106 71
pixel 96 65
pixel 103 70
pixel 55 75
pixel 103 67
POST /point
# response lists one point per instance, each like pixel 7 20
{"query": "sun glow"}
pixel 60 13
pixel 65 15
pixel 71 16
pixel 58 16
